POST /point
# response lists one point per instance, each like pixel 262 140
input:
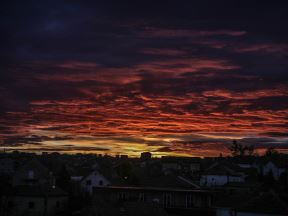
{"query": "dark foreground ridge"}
pixel 60 184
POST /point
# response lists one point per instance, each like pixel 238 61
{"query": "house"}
pixel 77 173
pixel 248 186
pixel 33 192
pixel 93 179
pixel 191 164
pixel 152 176
pixel 184 164
pixel 36 200
pixel 170 163
pixel 276 169
pixel 245 162
pixel 84 178
pixel 31 173
pixel 221 173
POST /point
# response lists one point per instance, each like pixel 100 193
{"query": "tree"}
pixel 270 151
pixel 241 150
pixel 235 148
pixel 250 150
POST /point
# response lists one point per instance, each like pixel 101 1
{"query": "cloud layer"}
pixel 83 79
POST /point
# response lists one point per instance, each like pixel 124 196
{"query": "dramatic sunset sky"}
pixel 122 78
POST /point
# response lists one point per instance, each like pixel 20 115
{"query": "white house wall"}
pixel 215 180
pixel 96 180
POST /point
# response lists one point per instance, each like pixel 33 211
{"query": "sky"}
pixel 125 77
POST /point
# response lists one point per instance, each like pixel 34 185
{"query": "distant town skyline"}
pixel 118 78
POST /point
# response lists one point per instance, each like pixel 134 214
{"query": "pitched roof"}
pixel 280 161
pixel 243 160
pixel 79 171
pixel 224 168
pixel 146 178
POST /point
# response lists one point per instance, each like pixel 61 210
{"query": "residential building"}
pixel 221 173
pixel 93 179
pixel 31 173
pixel 35 200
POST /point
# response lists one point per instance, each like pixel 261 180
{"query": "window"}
pixel 167 200
pixel 31 205
pixel 142 197
pixel 31 174
pixel 57 204
pixel 189 201
pixel 88 182
pixel 101 182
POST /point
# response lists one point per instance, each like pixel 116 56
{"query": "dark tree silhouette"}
pixel 250 150
pixel 240 150
pixel 271 152
pixel 235 148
